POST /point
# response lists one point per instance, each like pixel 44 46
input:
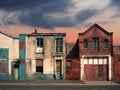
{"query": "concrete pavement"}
pixel 58 82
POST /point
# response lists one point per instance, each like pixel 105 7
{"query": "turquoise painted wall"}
pixel 59 36
pixel 4 54
pixel 43 77
pixel 22 56
pixel 22 44
pixel 6 77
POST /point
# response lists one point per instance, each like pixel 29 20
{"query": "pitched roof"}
pixel 99 27
pixel 8 35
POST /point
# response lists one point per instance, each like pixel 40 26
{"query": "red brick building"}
pixel 73 61
pixel 95 59
pixel 116 51
pixel 95 52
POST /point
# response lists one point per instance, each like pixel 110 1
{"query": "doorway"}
pixel 58 69
pixel 16 72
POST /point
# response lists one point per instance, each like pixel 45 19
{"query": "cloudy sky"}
pixel 70 16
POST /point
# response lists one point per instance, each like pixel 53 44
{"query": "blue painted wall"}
pixel 22 56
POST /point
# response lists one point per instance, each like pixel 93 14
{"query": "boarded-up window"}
pixel 69 64
pixel 3 66
pixel 39 65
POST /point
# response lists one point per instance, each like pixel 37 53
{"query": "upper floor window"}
pixel 105 43
pixel 95 44
pixel 59 45
pixel 39 42
pixel 85 43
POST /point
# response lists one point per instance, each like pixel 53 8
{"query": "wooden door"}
pixel 100 72
pixel 58 69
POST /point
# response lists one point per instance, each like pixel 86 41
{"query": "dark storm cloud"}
pixel 11 5
pixel 38 19
pixel 65 22
pixel 38 10
pixel 85 15
pixel 115 3
pixel 19 4
pixel 35 18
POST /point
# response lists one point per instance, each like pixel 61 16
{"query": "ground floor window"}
pixel 39 65
pixel 69 64
pixel 3 66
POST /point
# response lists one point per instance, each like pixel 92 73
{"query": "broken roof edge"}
pixel 45 34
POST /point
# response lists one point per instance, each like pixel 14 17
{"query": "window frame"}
pixel 59 44
pixel 85 43
pixel 95 44
pixel 105 43
pixel 68 64
pixel 38 67
pixel 39 45
pixel 4 66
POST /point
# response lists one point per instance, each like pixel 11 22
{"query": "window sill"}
pixel 38 53
pixel 39 73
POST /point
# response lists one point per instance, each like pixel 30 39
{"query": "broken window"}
pixel 39 42
pixel 59 45
pixel 39 45
pixel 39 65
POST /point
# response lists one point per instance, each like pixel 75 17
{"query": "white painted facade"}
pixel 12 44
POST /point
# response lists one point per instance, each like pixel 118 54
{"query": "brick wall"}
pixel 73 72
pixel 116 66
pixel 95 32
